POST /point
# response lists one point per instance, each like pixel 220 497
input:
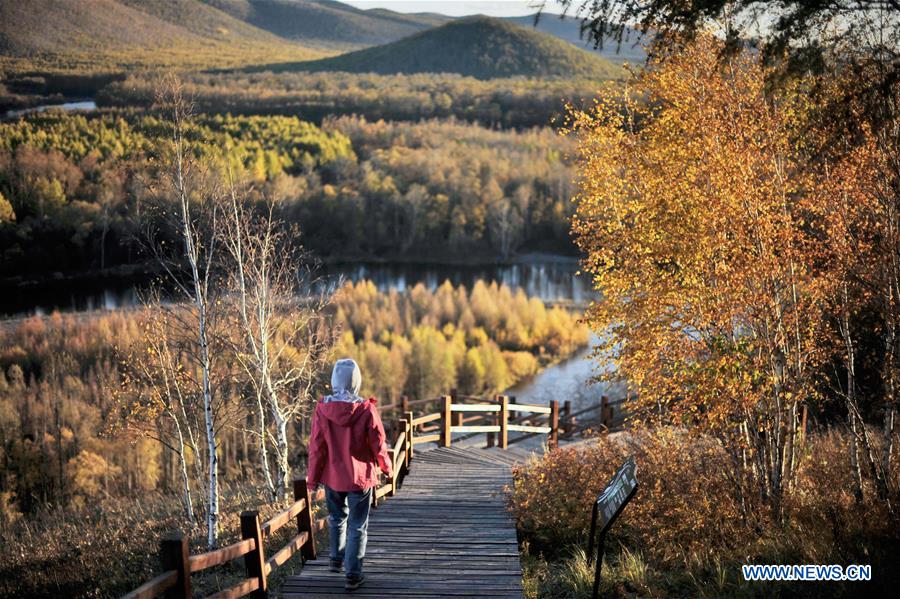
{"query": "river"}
pixel 86 104
pixel 568 380
pixel 550 278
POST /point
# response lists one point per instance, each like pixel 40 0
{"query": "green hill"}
pixel 327 24
pixel 77 36
pixel 480 47
pixel 569 29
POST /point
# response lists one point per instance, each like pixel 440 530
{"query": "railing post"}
pixel 403 425
pixel 446 436
pixel 407 445
pixel 566 415
pixel 504 420
pixel 173 553
pixel 393 479
pixel 256 559
pixel 395 473
pixel 459 415
pixel 409 438
pixel 305 519
pixel 605 418
pixel 554 424
pixel 496 420
pixel 404 404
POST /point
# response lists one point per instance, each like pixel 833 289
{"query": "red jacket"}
pixel 347 446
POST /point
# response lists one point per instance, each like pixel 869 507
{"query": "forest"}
pixel 62 380
pixel 498 102
pixel 73 188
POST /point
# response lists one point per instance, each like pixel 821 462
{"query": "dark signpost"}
pixel 607 508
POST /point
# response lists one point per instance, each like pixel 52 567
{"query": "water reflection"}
pixel 550 280
pixel 66 106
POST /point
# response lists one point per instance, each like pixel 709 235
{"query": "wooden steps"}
pixel 445 534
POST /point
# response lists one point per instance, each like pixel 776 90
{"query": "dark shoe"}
pixel 354 582
pixel 335 565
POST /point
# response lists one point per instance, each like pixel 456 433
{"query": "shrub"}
pixel 685 502
pixel 690 527
pixel 821 509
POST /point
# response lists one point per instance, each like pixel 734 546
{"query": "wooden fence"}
pixel 471 415
pixel 461 415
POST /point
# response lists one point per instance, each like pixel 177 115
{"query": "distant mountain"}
pixel 481 47
pixel 327 24
pixel 569 29
pixel 107 35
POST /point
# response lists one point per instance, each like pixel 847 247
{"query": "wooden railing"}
pixel 178 564
pixel 460 415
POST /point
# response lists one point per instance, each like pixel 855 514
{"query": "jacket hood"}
pixel 346 377
pixel 344 413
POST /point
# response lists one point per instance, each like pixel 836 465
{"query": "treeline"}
pixel 510 102
pixel 73 188
pixel 423 342
pixel 76 426
pixel 423 188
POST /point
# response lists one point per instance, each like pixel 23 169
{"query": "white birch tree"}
pixel 284 339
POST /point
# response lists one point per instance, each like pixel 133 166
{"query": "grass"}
pixel 626 573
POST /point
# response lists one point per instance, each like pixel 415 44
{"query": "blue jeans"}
pixel 352 506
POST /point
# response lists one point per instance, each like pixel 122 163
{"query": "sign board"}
pixel 617 493
pixel 609 504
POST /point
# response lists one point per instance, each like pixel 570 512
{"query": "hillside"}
pixel 569 29
pixel 327 24
pixel 480 47
pixel 78 36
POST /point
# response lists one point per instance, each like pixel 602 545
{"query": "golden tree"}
pixel 858 222
pixel 693 199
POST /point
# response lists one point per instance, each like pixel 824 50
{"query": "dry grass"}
pixel 111 547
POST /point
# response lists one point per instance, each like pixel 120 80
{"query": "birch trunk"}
pixel 199 300
pixel 283 470
pixel 263 449
pixel 185 479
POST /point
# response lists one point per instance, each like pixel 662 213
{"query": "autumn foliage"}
pixel 719 226
pixel 686 531
pixel 423 342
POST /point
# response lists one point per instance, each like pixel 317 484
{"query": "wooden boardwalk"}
pixel 445 534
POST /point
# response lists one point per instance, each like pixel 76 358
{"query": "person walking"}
pixel 347 449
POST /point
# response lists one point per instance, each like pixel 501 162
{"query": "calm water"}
pixel 67 106
pixel 568 380
pixel 550 280
pixel 553 279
